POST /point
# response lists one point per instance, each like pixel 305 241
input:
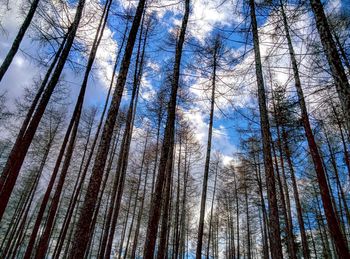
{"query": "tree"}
pixel 274 225
pixel 19 37
pixel 166 151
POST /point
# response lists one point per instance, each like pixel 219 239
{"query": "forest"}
pixel 174 129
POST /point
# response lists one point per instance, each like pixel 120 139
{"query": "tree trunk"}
pixel 211 211
pixel 207 160
pixel 136 195
pixel 162 247
pixel 82 233
pixel 44 240
pixel 19 37
pixel 305 246
pixel 139 217
pixel 274 224
pixel 333 224
pixel 166 153
pixel 19 150
pixel 340 80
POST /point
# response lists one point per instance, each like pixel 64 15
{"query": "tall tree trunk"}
pixel 166 153
pixel 340 80
pixel 274 223
pixel 341 131
pixel 137 194
pixel 123 159
pixel 176 243
pixel 311 235
pixel 333 224
pixel 162 247
pixel 19 37
pixel 305 246
pixel 82 233
pixel 336 176
pixel 34 104
pixel 211 211
pixel 207 159
pixel 139 217
pixel 124 228
pixel 288 227
pixel 44 240
pixel 237 214
pixel 249 255
pixel 19 150
pixel 183 208
pixel 263 206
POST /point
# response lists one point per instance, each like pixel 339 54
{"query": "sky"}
pixel 235 87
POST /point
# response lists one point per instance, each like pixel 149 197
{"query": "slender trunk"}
pixel 247 219
pixel 19 37
pixel 82 233
pixel 211 210
pixel 333 224
pixel 274 223
pixel 183 209
pixel 33 105
pixel 177 207
pixel 288 227
pixel 162 247
pixel 322 230
pixel 237 214
pixel 166 153
pixel 342 51
pixel 263 207
pixel 207 161
pixel 124 227
pixel 19 151
pixel 136 198
pixel 139 217
pixel 305 246
pixel 44 240
pixel 311 235
pixel 339 124
pixel 342 86
pixel 336 175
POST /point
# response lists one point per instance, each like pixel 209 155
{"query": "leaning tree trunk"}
pixel 340 79
pixel 124 154
pixel 82 232
pixel 44 240
pixel 333 223
pixel 274 224
pixel 166 153
pixel 19 150
pixel 19 37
